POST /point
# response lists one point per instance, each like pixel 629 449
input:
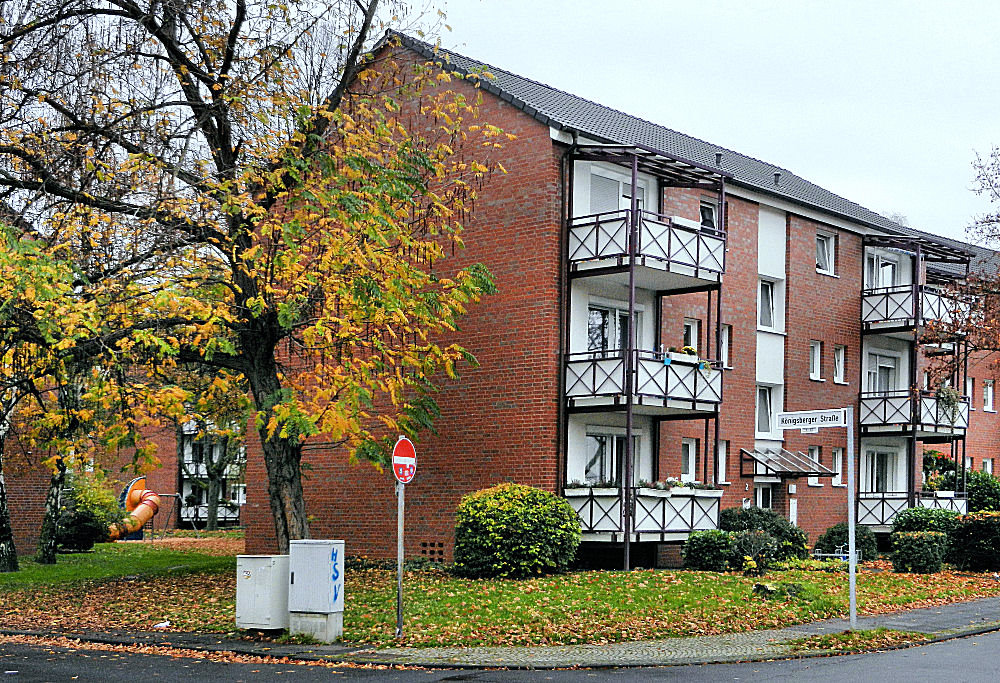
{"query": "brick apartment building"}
pixel 615 244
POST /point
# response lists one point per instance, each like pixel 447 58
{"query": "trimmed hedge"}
pixel 792 542
pixel 514 531
pixel 918 552
pixel 753 552
pixel 974 543
pixel 707 551
pixel 836 536
pixel 925 519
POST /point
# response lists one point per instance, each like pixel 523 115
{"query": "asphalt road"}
pixel 966 659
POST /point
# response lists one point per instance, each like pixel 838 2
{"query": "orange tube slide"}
pixel 141 504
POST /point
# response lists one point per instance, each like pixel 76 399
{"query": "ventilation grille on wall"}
pixel 433 551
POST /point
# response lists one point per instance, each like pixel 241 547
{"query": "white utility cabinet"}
pixel 262 591
pixel 316 588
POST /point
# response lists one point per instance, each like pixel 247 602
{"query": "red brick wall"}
pixel 499 422
pixel 26 489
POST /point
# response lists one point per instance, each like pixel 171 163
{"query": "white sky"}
pixel 884 102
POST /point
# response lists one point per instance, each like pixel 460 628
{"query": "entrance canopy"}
pixel 777 462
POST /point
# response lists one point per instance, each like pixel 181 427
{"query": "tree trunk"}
pixel 282 457
pixel 8 553
pixel 212 500
pixel 53 503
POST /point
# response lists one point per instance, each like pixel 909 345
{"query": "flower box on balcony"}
pixel 688 491
pixel 583 491
pixel 678 357
pixel 944 494
pixel 653 493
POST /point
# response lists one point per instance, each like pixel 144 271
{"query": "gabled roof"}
pixel 564 111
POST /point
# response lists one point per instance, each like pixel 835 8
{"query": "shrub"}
pixel 752 552
pixel 792 541
pixel 982 489
pixel 707 550
pixel 89 506
pixel 918 552
pixel 836 536
pixel 974 543
pixel 924 519
pixel 514 531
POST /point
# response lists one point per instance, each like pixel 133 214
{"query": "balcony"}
pixel 672 253
pixel 905 411
pixel 657 514
pixel 662 383
pixel 879 509
pixel 895 308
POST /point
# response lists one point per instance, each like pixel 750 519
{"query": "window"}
pixel 882 373
pixel 814 455
pixel 765 304
pixel 692 332
pixel 727 333
pixel 689 459
pixel 880 271
pixel 764 409
pixel 607 328
pixel 988 465
pixel 611 194
pixel 815 360
pixel 605 455
pixel 838 466
pixel 825 253
pixel 720 474
pixel 880 472
pixel 708 221
pixel 970 390
pixel 762 495
pixel 968 463
pixel 927 381
pixel 988 394
pixel 839 364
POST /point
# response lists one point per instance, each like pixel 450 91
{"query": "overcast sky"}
pixel 884 102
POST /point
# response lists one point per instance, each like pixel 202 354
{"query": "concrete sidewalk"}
pixel 939 623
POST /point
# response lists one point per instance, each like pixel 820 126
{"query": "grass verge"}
pixel 857 641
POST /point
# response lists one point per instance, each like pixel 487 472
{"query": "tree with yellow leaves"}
pixel 234 184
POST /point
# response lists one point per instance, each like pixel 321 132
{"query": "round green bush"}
pixel 793 543
pixel 89 506
pixel 514 531
pixel 708 550
pixel 836 536
pixel 753 551
pixel 918 552
pixel 924 519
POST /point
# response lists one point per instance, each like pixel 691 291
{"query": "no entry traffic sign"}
pixel 404 460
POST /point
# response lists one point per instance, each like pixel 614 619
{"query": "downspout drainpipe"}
pixel 566 180
pixel 723 223
pixel 630 365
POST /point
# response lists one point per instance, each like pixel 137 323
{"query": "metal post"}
pixel 851 541
pixel 401 502
pixel 630 364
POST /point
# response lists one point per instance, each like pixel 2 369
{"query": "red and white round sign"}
pixel 404 460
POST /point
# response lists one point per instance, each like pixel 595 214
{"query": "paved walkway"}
pixel 946 621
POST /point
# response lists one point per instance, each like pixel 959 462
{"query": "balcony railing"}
pixel 881 508
pixel 679 510
pixel 920 409
pixel 656 377
pixel 897 305
pixel 663 240
pixel 200 513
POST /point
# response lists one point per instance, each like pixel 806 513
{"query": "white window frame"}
pixel 619 308
pixel 689 458
pixel 771 286
pixel 624 183
pixel 831 253
pixel 692 332
pixel 970 391
pixel 815 454
pixel 726 345
pixel 758 496
pixel 714 207
pixel 869 469
pixel 987 465
pixel 877 355
pixel 837 454
pixel 874 264
pixel 839 364
pixel 816 360
pixel 988 396
pixel 722 462
pixel 769 390
pixel 614 433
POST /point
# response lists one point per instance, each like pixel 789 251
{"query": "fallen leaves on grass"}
pixel 858 641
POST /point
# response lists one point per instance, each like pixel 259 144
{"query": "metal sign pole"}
pixel 851 545
pixel 401 498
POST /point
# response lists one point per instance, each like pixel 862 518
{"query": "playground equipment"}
pixel 140 504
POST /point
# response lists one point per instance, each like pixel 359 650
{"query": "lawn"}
pixel 191 584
